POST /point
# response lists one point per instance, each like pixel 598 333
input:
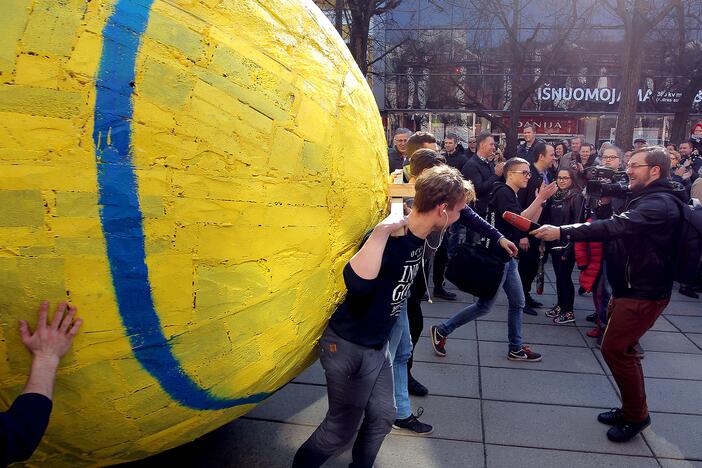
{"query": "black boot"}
pixel 414 387
pixel 533 303
pixel 687 290
pixel 441 293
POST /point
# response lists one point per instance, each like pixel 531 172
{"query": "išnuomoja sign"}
pixel 565 95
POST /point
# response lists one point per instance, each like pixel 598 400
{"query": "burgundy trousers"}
pixel 629 319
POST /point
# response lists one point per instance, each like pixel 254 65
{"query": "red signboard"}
pixel 549 125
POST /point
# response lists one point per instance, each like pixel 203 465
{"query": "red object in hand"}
pixel 519 221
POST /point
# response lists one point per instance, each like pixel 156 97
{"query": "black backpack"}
pixel 687 264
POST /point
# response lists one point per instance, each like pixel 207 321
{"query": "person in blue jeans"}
pixel 503 198
pixel 400 342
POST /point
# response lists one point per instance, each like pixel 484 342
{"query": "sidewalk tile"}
pixel 533 386
pixel 558 358
pixel 669 463
pixel 448 379
pixel 295 403
pixel 672 342
pixel 405 451
pixel 696 337
pixel 666 365
pixel 687 324
pixel 553 427
pixel 536 334
pixel 441 309
pixel 312 375
pixel 466 332
pixel 674 396
pixel 500 457
pixel 457 352
pixel 675 435
pixel 452 418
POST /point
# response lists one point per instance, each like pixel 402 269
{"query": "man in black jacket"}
pixel 482 173
pixel 454 154
pixel 529 246
pixel 527 150
pixel 640 271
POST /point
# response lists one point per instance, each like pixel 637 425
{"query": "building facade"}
pixel 448 65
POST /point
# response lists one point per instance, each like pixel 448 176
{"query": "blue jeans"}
pixel 400 347
pixel 512 285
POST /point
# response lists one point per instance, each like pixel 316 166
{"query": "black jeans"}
pixel 440 261
pixel 563 264
pixel 414 311
pixel 529 264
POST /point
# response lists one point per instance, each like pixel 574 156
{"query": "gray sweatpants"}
pixel 359 386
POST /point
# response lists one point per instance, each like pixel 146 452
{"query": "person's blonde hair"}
pixel 438 185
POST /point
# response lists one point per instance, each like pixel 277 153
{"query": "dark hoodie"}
pixel 639 249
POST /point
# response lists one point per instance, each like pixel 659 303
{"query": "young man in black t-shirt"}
pixel 503 198
pixel 354 347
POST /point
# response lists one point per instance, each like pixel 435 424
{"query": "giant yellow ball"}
pixel 193 176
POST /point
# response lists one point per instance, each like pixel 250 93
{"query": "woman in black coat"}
pixel 566 208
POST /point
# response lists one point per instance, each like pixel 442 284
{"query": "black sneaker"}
pixel 625 431
pixel 592 317
pixel 413 425
pixel 524 354
pixel 414 387
pixel 553 313
pixel 529 311
pixel 611 417
pixel 438 341
pixel 533 303
pixel 441 293
pixel 686 290
pixel 563 318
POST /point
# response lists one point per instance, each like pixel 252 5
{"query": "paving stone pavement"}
pixel 491 412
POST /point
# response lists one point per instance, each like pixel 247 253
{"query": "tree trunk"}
pixel 339 17
pixel 511 134
pixel 358 39
pixel 682 111
pixel 629 91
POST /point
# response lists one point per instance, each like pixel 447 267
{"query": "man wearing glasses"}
pixel 397 155
pixel 640 271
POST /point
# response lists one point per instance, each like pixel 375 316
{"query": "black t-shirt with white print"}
pixel 371 307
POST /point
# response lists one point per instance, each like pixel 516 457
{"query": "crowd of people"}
pixel 597 209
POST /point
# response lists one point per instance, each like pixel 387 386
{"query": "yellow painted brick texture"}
pixel 260 162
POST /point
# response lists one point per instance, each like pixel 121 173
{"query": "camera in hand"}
pixel 605 182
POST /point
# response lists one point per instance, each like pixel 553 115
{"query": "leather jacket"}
pixel 639 243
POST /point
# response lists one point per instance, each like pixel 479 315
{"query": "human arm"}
pixel 23 425
pixel 367 261
pixel 648 215
pixel 474 222
pixel 533 211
